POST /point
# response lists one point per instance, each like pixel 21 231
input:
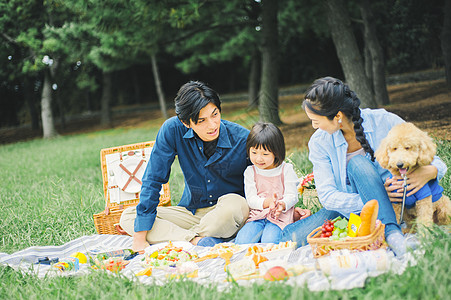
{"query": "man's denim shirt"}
pixel 205 179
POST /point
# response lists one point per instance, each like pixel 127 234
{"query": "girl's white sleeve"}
pixel 291 180
pixel 250 190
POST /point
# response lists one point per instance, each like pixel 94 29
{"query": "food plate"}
pixel 168 254
pixel 273 250
pixel 217 249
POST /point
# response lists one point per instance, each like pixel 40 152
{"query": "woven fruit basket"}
pixel 322 246
pixel 122 171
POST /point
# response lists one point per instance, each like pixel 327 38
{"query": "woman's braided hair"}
pixel 327 96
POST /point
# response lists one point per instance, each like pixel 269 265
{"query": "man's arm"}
pixel 156 174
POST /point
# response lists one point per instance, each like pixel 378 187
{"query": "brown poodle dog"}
pixel 402 151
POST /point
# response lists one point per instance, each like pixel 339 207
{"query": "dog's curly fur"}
pixel 407 147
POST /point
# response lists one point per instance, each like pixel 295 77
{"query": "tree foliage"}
pixel 213 41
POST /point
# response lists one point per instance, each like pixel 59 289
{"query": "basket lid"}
pixel 123 168
pixel 129 173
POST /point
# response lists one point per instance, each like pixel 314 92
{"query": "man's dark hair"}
pixel 191 98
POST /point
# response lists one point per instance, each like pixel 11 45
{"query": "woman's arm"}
pixel 328 174
pixel 441 167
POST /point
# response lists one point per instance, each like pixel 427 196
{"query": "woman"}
pixel 342 152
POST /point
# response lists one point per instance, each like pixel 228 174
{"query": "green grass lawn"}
pixel 51 188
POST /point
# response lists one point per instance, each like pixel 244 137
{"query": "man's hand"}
pixel 139 241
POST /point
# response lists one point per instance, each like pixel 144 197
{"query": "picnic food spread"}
pixel 169 255
pixel 344 242
pixel 360 233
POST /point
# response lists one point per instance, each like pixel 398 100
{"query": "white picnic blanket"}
pixel 210 271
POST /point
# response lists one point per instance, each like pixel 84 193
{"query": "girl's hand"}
pixel 269 203
pixel 418 178
pixel 279 209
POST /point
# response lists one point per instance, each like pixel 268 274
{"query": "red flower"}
pixel 308 182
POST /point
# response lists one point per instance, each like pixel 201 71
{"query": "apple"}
pixel 276 273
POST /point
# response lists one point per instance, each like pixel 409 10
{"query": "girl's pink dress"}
pixel 266 187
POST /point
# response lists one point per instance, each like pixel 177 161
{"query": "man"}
pixel 212 156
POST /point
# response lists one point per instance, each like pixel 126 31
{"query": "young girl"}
pixel 270 186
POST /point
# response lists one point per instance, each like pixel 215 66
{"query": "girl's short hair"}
pixel 191 98
pixel 268 136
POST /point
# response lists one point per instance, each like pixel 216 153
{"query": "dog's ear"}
pixel 426 151
pixel 382 153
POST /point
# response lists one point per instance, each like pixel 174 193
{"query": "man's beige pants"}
pixel 176 223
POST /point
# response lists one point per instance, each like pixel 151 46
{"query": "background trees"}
pixel 446 41
pixel 139 52
pixel 348 51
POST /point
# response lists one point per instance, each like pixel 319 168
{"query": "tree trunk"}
pixel 59 102
pixel 269 99
pixel 105 101
pixel 160 92
pixel 446 41
pixel 254 75
pixel 368 64
pixel 136 87
pixel 29 95
pixel 348 52
pixel 48 125
pixel 88 100
pixel 377 56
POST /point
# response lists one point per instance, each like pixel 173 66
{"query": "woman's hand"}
pixel 415 181
pixel 418 178
pixel 394 188
pixel 139 241
pixel 304 213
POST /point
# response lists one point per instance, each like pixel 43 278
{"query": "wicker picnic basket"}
pixel 122 170
pixel 310 199
pixel 322 246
